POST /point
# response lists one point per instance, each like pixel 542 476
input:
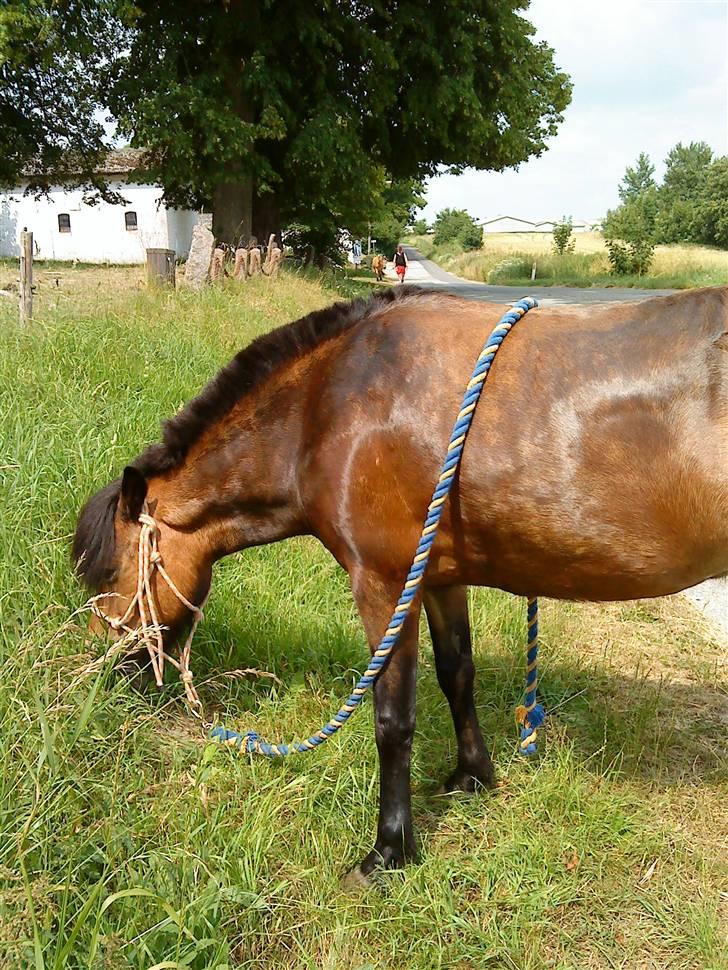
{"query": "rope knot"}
pixel 155 556
pixel 530 722
pixel 186 677
pixel 148 521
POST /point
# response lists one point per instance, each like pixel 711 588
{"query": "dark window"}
pixel 130 219
pixel 64 222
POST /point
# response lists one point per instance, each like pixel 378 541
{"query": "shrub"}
pixel 513 267
pixel 564 241
pixel 472 237
pixel 456 225
pixel 630 259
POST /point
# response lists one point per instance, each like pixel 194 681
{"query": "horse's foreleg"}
pixel 394 700
pixel 447 615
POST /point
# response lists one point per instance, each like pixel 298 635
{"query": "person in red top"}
pixel 400 263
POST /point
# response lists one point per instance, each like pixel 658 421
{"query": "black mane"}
pixel 93 546
pixel 252 366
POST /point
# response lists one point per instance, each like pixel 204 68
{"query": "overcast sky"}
pixel 646 74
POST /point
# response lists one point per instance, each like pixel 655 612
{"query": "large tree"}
pixel 680 217
pixel 715 204
pixel 272 112
pixel 52 56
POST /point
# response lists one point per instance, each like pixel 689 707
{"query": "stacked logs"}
pixel 210 262
pixel 246 260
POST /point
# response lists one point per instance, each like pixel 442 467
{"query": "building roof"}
pixel 527 222
pixel 117 161
pixel 539 222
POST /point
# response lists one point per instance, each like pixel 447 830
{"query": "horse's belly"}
pixel 610 539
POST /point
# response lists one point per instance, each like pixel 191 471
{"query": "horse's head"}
pixel 149 577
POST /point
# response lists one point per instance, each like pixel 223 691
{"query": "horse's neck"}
pixel 238 485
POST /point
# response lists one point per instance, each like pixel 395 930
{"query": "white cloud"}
pixel 646 73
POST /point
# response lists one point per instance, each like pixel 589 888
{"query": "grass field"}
pixel 127 841
pixel 508 258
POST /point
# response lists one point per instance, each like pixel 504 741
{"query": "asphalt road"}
pixel 423 272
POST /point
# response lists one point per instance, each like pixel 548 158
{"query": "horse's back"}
pixel 597 463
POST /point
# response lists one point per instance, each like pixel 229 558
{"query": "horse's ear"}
pixel 133 493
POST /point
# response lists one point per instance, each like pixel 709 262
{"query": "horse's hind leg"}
pixel 447 615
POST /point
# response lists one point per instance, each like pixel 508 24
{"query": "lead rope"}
pixel 533 714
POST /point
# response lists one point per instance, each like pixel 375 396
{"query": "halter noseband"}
pixel 149 630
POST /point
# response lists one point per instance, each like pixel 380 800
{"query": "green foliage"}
pixel 387 231
pixel 629 233
pixel 563 237
pixel 682 191
pixel 471 237
pixel 457 225
pixel 715 203
pixel 52 58
pixel 630 258
pixel 638 179
pixel 634 220
pixel 401 198
pixel 310 106
pixel 276 113
pixel 686 207
pixel 420 227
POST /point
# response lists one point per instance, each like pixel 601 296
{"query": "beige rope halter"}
pixel 150 631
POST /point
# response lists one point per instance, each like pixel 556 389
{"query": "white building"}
pixel 516 224
pixel 66 228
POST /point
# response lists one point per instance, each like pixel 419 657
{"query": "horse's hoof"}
pixel 464 781
pixel 355 882
pixel 370 873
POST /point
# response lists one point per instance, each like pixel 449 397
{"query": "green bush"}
pixel 564 241
pixel 472 237
pixel 456 225
pixel 630 259
pixel 514 267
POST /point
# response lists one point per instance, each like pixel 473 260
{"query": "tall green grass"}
pixel 127 841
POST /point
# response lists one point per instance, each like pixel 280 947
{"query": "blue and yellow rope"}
pixel 530 715
pixel 250 743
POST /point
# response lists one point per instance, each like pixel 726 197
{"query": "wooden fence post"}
pixel 26 277
pixel 268 251
pixel 161 267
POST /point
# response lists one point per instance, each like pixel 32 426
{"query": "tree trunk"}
pixel 266 217
pixel 232 212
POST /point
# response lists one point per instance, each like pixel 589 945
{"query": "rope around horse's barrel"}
pixel 531 714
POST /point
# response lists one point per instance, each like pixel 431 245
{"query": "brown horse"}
pixel 596 469
pixel 379 264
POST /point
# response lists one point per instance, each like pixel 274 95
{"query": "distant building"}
pixel 517 224
pixel 66 228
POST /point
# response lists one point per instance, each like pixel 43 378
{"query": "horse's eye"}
pixel 110 577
